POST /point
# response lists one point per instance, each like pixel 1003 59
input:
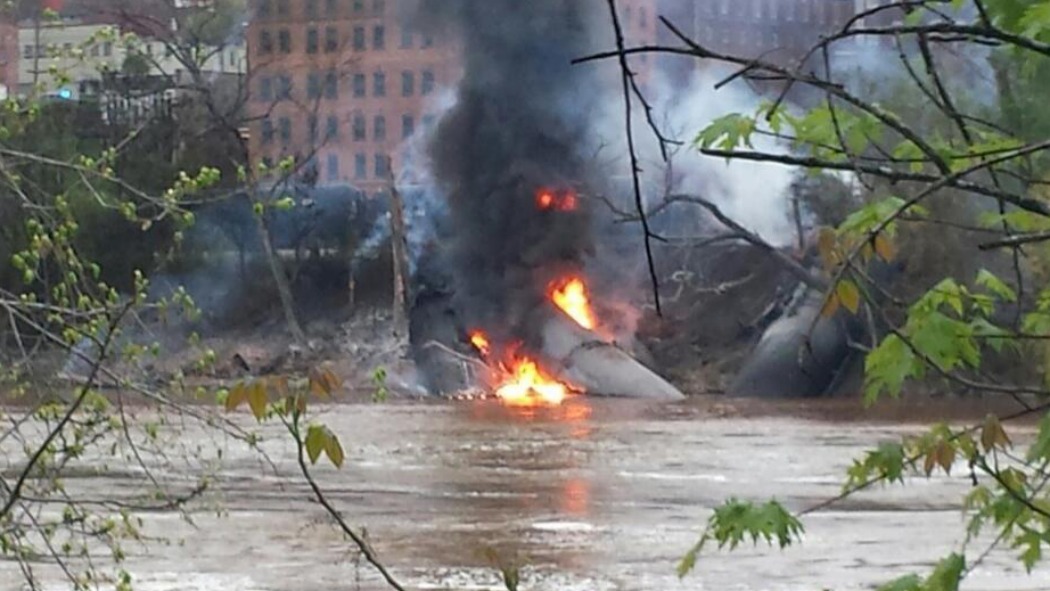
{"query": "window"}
pixel 265 41
pixel 310 8
pixel 313 85
pixel 332 167
pixel 264 7
pixel 408 83
pixel 285 125
pixel 284 88
pixel 265 89
pixel 359 85
pixel 378 6
pixel 427 85
pixel 27 52
pixel 267 131
pixel 360 166
pixel 282 7
pixel 331 39
pixel 379 37
pixel 406 38
pixel 331 128
pixel 107 48
pixel 330 7
pixel 408 126
pixel 331 85
pixel 284 40
pixel 428 40
pixel 311 128
pixel 313 41
pixel 379 84
pixel 379 128
pixel 382 166
pixel 359 38
pixel 359 5
pixel 359 128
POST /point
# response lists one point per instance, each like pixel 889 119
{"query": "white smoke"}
pixel 755 194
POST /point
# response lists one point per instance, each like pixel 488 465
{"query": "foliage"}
pixel 922 144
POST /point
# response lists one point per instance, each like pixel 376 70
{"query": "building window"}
pixel 332 167
pixel 266 89
pixel 265 42
pixel 359 128
pixel 284 41
pixel 264 8
pixel 428 40
pixel 406 38
pixel 313 40
pixel 282 7
pixel 360 166
pixel 331 39
pixel 331 7
pixel 310 8
pixel 331 85
pixel 382 166
pixel 359 5
pixel 28 51
pixel 359 85
pixel 379 37
pixel 267 131
pixel 359 38
pixel 408 83
pixel 285 125
pixel 379 128
pixel 332 128
pixel 379 84
pixel 284 88
pixel 107 48
pixel 427 85
pixel 311 128
pixel 378 6
pixel 408 126
pixel 313 85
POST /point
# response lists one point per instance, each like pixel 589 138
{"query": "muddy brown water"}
pixel 594 495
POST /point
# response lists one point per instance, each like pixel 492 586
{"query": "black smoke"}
pixel 519 124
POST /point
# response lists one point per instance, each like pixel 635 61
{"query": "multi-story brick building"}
pixel 344 83
pixel 341 84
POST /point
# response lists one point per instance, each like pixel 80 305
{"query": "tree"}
pixel 947 152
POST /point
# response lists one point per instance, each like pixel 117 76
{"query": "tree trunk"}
pixel 400 251
pixel 280 280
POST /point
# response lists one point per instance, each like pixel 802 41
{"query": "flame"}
pixel 528 385
pixel 558 201
pixel 480 342
pixel 523 383
pixel 572 298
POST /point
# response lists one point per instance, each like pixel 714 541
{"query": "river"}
pixel 594 495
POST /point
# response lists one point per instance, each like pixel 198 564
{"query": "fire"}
pixel 523 383
pixel 557 200
pixel 528 385
pixel 572 298
pixel 480 342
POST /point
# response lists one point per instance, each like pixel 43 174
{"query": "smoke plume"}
pixel 518 125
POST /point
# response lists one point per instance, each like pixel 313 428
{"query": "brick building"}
pixel 344 83
pixel 341 83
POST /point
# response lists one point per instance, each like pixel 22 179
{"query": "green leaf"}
pixel 887 367
pixel 727 132
pixel 905 583
pixel 238 395
pixel 316 442
pixel 849 295
pixel 947 575
pixel 257 400
pixel 996 286
pixel 334 450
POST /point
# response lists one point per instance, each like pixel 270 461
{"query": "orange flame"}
pixel 563 201
pixel 572 298
pixel 524 383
